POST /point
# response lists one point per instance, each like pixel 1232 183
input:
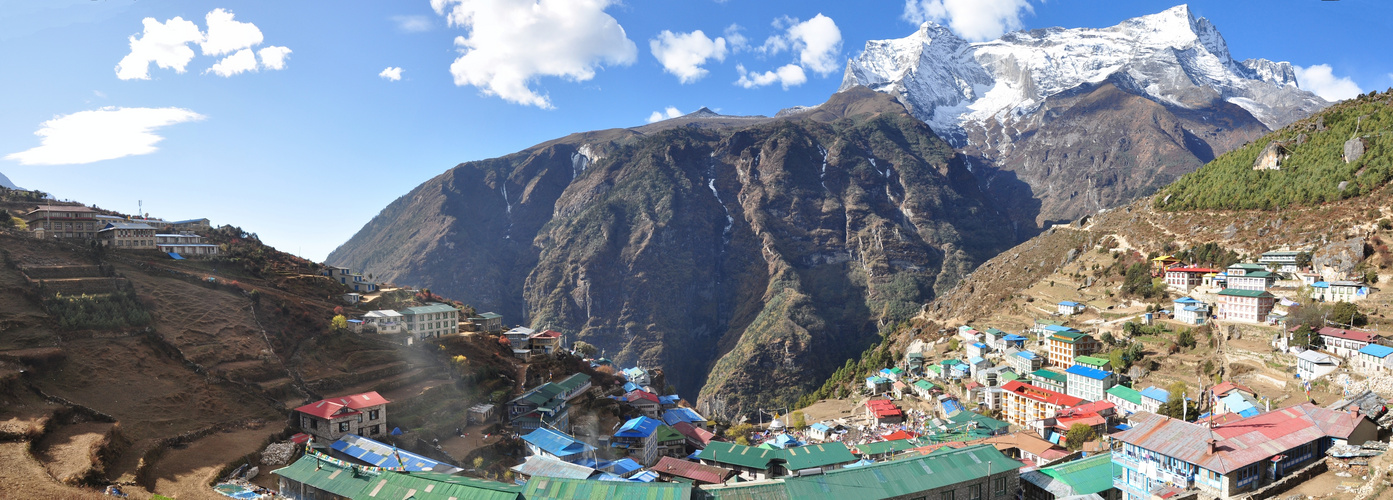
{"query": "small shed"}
pixel 482 413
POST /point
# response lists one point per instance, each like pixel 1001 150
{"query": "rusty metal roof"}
pixel 1239 443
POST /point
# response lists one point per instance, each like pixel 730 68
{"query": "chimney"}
pixel 1213 446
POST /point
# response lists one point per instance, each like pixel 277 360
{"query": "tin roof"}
pixel 1232 292
pixel 893 479
pixel 330 407
pixel 692 470
pixel 1125 393
pixel 1088 372
pixel 433 485
pixel 556 443
pixel 638 427
pixel 736 454
pixel 1050 375
pixel 1348 334
pixel 1042 395
pixel 433 307
pixel 543 466
pixel 1377 351
pixel 1080 477
pixel 579 489
pixel 1240 443
pixel 327 476
pixel 881 447
pixel 694 433
pixel 1155 393
pixel 381 455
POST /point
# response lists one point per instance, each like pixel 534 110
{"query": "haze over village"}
pixel 698 250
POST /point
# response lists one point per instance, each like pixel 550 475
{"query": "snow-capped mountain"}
pixel 1170 57
pixel 1059 123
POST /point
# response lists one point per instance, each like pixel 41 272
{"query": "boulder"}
pixel 1354 148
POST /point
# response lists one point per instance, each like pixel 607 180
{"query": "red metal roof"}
pixel 898 435
pixel 694 433
pixel 546 334
pixel 1091 420
pixel 1193 270
pixel 1096 407
pixel 881 403
pixel 340 406
pixel 692 470
pixel 637 394
pixel 1224 388
pixel 1348 334
pixel 1242 442
pixel 1041 395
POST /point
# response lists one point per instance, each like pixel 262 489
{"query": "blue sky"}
pixel 304 149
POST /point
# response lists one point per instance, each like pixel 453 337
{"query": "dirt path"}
pixel 185 473
pixel 67 452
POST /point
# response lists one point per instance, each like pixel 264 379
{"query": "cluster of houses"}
pixel 178 238
pixel 1244 291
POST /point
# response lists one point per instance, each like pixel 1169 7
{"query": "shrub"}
pixel 102 312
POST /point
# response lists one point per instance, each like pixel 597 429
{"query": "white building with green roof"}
pixel 432 320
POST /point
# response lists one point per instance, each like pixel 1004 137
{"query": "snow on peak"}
pixel 1171 57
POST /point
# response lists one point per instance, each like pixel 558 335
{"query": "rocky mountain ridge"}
pixel 1088 118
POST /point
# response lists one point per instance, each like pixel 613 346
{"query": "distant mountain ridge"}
pixel 5 182
pixel 747 256
pixel 1088 118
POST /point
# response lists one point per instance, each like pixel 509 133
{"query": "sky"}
pixel 300 121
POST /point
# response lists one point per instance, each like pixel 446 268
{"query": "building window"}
pixel 372 414
pixel 947 495
pixel 1000 484
pixel 974 492
pixel 343 426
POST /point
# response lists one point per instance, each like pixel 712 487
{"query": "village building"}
pixel 432 320
pixel 385 321
pixel 1027 405
pixel 1345 343
pixel 348 278
pixel 698 437
pixel 1098 415
pixel 672 469
pixel 544 405
pixel 540 467
pixel 1251 306
pixel 1093 362
pixel 313 477
pixel 520 337
pixel 1070 308
pixel 1153 397
pixel 573 386
pixel 637 440
pixel 753 464
pixel 637 375
pixel 925 389
pixel 973 472
pixel 1024 361
pixel 1252 280
pixel 545 342
pixel 1190 311
pixel 1088 383
pixel 1159 265
pixel 482 413
pixel 1075 479
pixel 1282 262
pixel 1374 359
pixel 1027 447
pixel 1311 365
pixel 877 384
pixel 1126 398
pixel 883 411
pixel 1049 379
pixel 976 365
pixel 1345 291
pixel 127 236
pixel 1243 268
pixel 329 419
pixel 1064 346
pixel 1232 459
pixel 977 350
pixel 549 443
pixel 185 245
pixel 1185 279
pixel 645 402
pixel 488 322
pixel 65 221
pixel 671 442
pixel 970 335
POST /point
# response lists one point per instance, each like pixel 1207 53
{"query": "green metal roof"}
pixel 897 370
pixel 1246 265
pixel 983 422
pixel 1244 293
pixel 433 486
pixel 913 355
pixel 1068 336
pixel 1007 376
pixel 1126 393
pixel 548 488
pixel 327 476
pixel 1092 361
pixel 665 434
pixel 936 369
pixel 925 385
pixel 950 362
pixel 996 332
pixel 893 479
pixel 1087 476
pixel 735 454
pixel 574 381
pixel 816 455
pixel 1050 375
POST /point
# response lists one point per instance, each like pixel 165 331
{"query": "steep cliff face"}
pixel 749 258
pixel 1087 118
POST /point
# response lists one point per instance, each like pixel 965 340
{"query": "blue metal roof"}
pixel 1011 337
pixel 1069 303
pixel 974 360
pixel 1057 328
pixel 624 466
pixel 670 399
pixel 1026 354
pixel 556 443
pixel 979 345
pixel 820 427
pixel 675 415
pixel 638 427
pixel 631 387
pixel 1320 284
pixel 382 455
pixel 1087 371
pixel 1377 351
pixel 1186 300
pixel 1156 394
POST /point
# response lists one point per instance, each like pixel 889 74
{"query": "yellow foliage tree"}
pixel 339 323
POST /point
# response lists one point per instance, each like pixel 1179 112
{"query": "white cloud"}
pixel 818 42
pixel 226 35
pixel 1321 80
pixel 736 40
pixel 391 73
pixel 239 62
pixel 165 44
pixel 100 134
pixel 657 116
pixel 273 57
pixel 413 24
pixel 512 43
pixel 790 75
pixel 974 20
pixel 682 54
